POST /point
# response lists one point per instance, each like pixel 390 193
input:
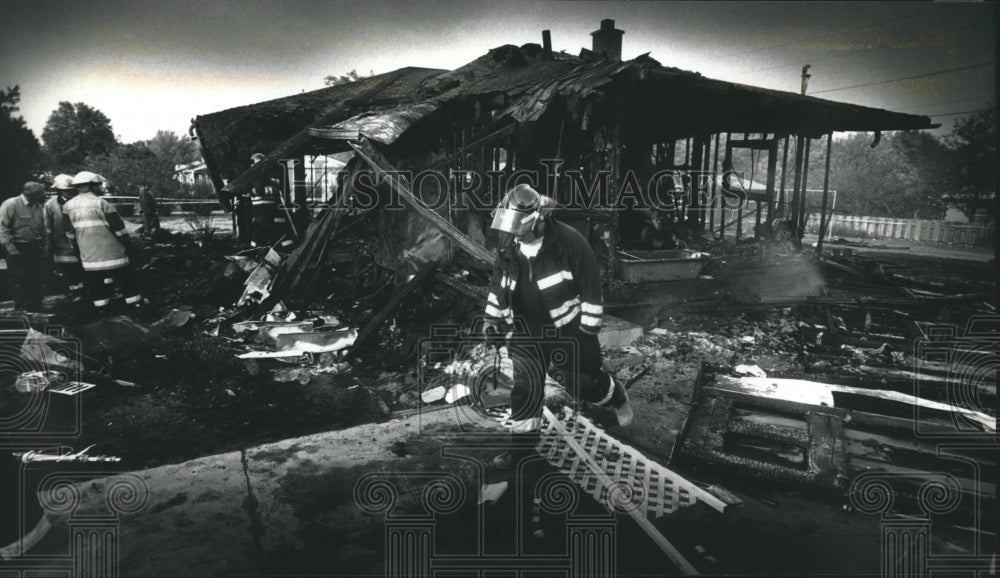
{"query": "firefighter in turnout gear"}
pixel 100 235
pixel 546 276
pixel 262 207
pixel 67 263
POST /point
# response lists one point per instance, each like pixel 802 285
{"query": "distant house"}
pixel 191 173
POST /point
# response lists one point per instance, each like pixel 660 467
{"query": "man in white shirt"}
pixel 22 236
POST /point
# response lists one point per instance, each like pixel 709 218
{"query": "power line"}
pixel 856 51
pixel 935 73
pixel 942 103
pixel 958 113
pixel 832 32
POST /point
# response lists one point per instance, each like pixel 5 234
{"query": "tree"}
pixel 170 150
pixel 74 132
pixel 127 167
pixel 904 176
pixel 973 144
pixel 173 149
pixel 929 159
pixel 145 163
pixel 351 76
pixel 19 149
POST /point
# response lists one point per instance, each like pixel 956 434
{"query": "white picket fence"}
pixel 916 230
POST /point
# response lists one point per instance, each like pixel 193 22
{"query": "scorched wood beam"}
pixel 380 164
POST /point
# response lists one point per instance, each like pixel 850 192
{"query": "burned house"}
pixel 608 139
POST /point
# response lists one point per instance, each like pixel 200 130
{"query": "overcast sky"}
pixel 155 65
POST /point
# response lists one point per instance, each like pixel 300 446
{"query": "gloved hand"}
pixel 496 332
pixel 492 328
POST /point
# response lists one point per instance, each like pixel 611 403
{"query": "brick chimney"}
pixel 608 40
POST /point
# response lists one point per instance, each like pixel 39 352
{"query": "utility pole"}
pixel 798 192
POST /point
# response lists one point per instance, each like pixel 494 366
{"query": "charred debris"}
pixel 383 259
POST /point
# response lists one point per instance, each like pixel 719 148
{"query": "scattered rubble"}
pixel 207 370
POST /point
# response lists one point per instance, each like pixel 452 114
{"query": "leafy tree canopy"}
pixel 174 149
pixel 19 149
pixel 974 171
pixel 74 132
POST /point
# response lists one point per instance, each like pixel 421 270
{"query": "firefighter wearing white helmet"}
pixel 546 276
pixel 102 240
pixel 64 256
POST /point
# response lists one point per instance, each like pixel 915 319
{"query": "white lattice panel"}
pixel 615 473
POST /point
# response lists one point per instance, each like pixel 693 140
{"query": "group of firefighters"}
pixel 76 234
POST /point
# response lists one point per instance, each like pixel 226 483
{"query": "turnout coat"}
pixel 568 278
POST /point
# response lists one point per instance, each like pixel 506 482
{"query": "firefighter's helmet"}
pixel 62 182
pixel 520 210
pixel 87 178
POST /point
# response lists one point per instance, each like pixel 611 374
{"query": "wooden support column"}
pixel 739 210
pixel 722 205
pixel 826 190
pixel 772 164
pixel 804 213
pixel 300 217
pixel 694 204
pixel 784 172
pixel 796 200
pixel 715 200
pixel 705 205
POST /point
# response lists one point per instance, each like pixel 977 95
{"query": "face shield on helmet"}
pixel 513 221
pixel 520 211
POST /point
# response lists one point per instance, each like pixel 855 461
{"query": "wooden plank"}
pixel 379 163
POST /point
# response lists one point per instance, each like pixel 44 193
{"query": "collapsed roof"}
pixel 228 138
pixel 520 84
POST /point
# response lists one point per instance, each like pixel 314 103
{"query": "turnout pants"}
pixel 573 358
pixel 26 276
pixel 101 285
pixel 70 274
